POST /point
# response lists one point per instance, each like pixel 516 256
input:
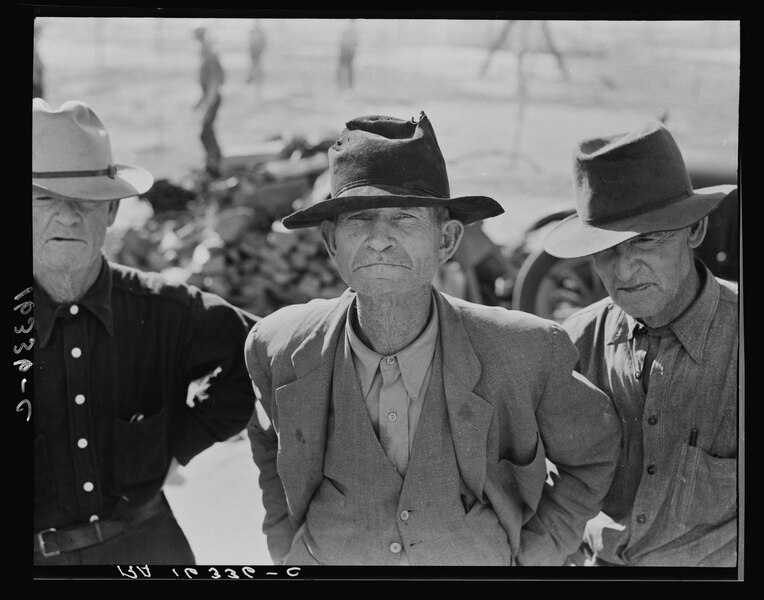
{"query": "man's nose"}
pixel 625 265
pixel 68 212
pixel 379 238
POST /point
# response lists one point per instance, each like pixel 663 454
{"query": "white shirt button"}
pixel 405 515
pixel 82 443
pixel 395 547
pixel 93 518
pixel 79 399
pixel 390 360
pixel 88 486
pixel 392 417
pixel 76 352
pixel 74 309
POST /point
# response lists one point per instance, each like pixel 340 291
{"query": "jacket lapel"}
pixel 303 407
pixel 469 414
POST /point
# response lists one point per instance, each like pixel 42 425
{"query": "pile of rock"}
pixel 225 235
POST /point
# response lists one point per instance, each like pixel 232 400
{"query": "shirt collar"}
pixel 691 327
pixel 97 300
pixel 414 360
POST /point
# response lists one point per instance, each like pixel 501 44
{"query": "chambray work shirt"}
pixel 394 387
pixel 675 487
pixel 111 381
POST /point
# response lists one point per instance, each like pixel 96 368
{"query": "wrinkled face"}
pixel 390 250
pixel 68 234
pixel 648 275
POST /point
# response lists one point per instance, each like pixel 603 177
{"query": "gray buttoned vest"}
pixel 365 513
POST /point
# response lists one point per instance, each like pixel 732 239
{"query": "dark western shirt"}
pixel 112 403
pixel 675 487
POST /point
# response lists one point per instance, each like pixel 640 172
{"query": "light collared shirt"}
pixel 394 386
pixel 674 489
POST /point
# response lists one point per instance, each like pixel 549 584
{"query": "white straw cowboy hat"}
pixel 381 162
pixel 627 185
pixel 71 156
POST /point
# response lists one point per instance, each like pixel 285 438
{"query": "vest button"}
pixel 390 360
pixel 392 417
pixel 651 469
pixel 405 515
pixel 642 518
pixel 652 419
pixel 395 547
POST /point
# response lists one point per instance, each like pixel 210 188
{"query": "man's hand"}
pixel 593 532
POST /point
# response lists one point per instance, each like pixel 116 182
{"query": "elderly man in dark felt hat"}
pixel 115 352
pixel 401 426
pixel 663 345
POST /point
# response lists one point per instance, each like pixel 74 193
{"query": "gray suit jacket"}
pixel 514 403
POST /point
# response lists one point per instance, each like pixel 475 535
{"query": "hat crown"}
pixel 625 175
pixel 391 154
pixel 71 138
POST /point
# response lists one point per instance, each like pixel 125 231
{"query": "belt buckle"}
pixel 41 543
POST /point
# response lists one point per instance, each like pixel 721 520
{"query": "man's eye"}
pixel 646 240
pixel 404 215
pixel 358 217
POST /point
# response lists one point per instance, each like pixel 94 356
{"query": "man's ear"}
pixel 451 234
pixel 113 208
pixel 697 232
pixel 327 235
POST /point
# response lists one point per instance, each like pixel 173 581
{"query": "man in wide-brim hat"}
pixel 663 345
pixel 404 426
pixel 115 351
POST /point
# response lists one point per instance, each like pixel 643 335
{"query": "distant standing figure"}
pixel 348 46
pixel 37 67
pixel 257 44
pixel 211 77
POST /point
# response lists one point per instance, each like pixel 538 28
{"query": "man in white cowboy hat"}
pixel 115 352
pixel 663 345
pixel 402 426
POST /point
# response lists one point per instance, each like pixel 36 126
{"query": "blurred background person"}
pixel 38 69
pixel 348 47
pixel 257 43
pixel 211 78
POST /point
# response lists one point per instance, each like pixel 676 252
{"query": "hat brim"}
pixel 572 238
pixel 129 180
pixel 467 209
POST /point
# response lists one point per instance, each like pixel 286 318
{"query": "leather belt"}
pixel 52 541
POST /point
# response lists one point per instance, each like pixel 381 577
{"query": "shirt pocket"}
pixel 44 484
pixel 141 450
pixel 705 491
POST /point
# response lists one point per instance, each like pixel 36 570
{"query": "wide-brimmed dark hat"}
pixel 381 162
pixel 626 185
pixel 71 156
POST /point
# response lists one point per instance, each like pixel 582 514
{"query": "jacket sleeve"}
pixel 277 525
pixel 581 434
pixel 222 399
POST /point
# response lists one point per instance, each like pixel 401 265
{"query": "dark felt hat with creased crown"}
pixel 383 162
pixel 626 185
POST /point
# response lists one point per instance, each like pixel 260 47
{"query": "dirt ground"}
pixel 140 76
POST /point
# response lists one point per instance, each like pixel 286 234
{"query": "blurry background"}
pixel 508 101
